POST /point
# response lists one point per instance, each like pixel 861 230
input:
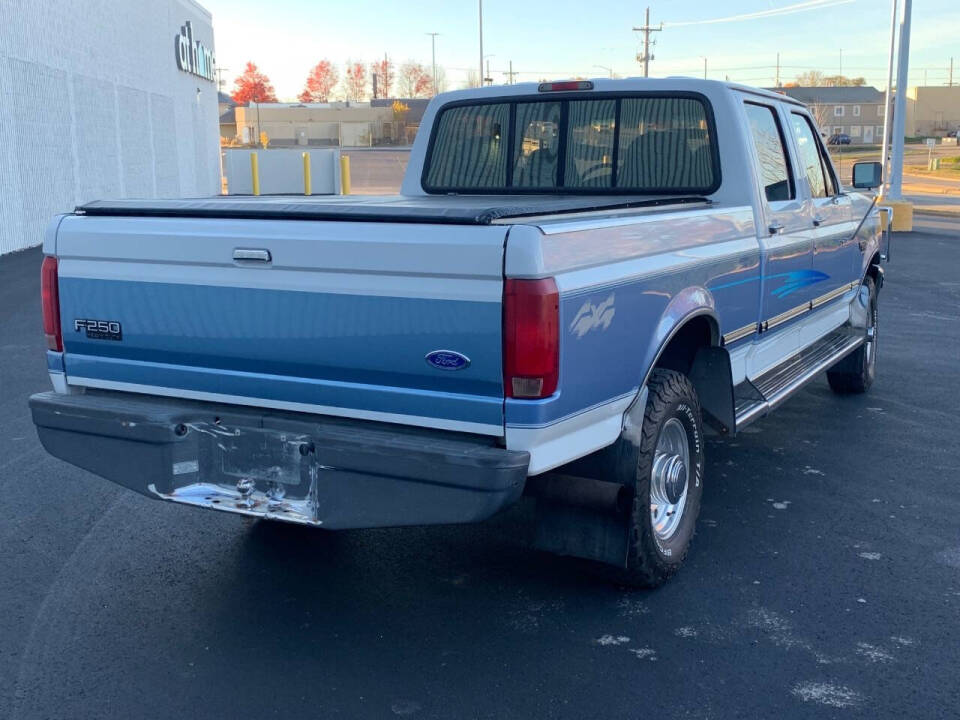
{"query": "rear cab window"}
pixel 638 143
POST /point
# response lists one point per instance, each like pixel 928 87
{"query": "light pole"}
pixel 480 9
pixel 704 67
pixel 885 156
pixel 608 69
pixel 433 57
pixel 900 104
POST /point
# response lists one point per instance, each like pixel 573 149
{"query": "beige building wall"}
pixel 932 111
pixel 314 124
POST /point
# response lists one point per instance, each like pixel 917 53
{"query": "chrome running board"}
pixel 755 398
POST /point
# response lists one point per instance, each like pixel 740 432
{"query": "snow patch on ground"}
pixel 812 471
pixel 607 640
pixel 632 608
pixel 870 555
pixel 903 641
pixel 686 632
pixel 873 653
pixel 951 557
pixel 645 653
pixel 827 694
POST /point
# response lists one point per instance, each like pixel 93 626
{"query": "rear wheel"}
pixel 668 482
pixel 857 371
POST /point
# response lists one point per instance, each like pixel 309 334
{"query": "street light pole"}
pixel 433 58
pixel 480 8
pixel 900 105
pixel 885 155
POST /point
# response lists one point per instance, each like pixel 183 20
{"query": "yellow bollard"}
pixel 345 174
pixel 255 172
pixel 307 186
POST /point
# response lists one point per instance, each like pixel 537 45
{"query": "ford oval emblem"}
pixel 447 360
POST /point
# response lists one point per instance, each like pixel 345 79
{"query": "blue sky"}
pixel 562 38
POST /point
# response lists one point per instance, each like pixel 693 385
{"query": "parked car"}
pixel 565 322
pixel 839 139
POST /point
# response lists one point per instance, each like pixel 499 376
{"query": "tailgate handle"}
pixel 251 255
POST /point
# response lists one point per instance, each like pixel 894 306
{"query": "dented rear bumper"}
pixel 309 469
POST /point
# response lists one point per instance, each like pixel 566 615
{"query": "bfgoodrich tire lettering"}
pixel 657 547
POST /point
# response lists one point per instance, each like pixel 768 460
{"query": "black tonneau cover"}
pixel 447 209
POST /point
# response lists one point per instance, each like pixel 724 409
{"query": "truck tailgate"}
pixel 320 316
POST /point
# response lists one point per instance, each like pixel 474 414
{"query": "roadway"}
pixel 824 580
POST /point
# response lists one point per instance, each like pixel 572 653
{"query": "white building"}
pixel 102 99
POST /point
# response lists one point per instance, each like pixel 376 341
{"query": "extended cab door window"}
pixel 775 177
pixel 811 160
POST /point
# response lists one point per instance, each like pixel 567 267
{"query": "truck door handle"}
pixel 251 255
pixel 817 221
pixel 775 227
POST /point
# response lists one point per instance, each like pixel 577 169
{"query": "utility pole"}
pixel 887 110
pixel 778 71
pixel 704 68
pixel 433 57
pixel 480 6
pixel 510 74
pixel 488 77
pixel 841 64
pixel 900 106
pixel 950 81
pixel 646 57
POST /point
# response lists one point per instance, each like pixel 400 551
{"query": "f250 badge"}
pixel 99 329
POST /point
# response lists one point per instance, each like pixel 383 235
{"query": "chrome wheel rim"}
pixel 871 348
pixel 669 479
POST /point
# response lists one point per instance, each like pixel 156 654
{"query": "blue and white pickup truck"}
pixel 575 278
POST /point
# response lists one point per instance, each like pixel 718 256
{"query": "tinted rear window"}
pixel 645 144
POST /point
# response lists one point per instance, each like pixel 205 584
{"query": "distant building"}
pixel 103 100
pixel 331 124
pixel 856 111
pixel 228 120
pixel 932 111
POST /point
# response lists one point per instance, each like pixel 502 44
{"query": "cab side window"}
pixel 812 160
pixel 774 172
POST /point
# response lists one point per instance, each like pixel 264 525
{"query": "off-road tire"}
pixel 650 561
pixel 857 371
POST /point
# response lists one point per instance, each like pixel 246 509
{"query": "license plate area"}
pixel 231 454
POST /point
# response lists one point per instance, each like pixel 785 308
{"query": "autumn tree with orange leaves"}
pixel 414 81
pixel 253 86
pixel 356 81
pixel 322 79
pixel 383 69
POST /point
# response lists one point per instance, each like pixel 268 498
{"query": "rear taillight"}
pixel 530 337
pixel 51 303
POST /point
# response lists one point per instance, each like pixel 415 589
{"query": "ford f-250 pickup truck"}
pixel 575 277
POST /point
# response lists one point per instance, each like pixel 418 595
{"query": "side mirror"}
pixel 867 175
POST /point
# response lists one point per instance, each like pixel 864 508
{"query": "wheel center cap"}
pixel 675 479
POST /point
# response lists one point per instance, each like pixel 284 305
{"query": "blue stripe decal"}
pixel 308 391
pixel 794 281
pixel 351 351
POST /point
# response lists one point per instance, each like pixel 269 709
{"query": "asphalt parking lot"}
pixel 824 580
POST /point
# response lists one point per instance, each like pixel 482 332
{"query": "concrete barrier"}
pixel 282 171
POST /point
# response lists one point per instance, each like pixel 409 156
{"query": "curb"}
pixel 938 213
